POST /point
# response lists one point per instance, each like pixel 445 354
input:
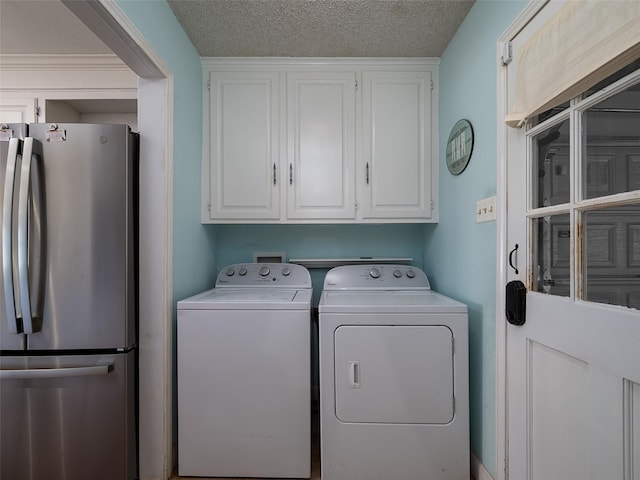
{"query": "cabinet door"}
pixel 18 110
pixel 321 145
pixel 396 170
pixel 243 149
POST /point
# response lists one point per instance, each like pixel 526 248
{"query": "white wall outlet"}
pixel 486 210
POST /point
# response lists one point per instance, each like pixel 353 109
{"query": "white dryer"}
pixel 394 394
pixel 244 375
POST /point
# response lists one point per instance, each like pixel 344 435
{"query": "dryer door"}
pixel 394 374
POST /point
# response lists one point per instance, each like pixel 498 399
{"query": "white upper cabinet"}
pixel 242 168
pixel 18 110
pixel 397 145
pixel 320 141
pixel 321 145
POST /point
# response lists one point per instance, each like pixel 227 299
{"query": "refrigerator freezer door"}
pixel 89 284
pixel 68 418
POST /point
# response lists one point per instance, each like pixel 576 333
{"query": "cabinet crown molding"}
pixel 350 62
pixel 61 62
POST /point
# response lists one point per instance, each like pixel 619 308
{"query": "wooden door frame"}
pixel 502 249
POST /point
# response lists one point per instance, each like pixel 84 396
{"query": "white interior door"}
pixel 573 367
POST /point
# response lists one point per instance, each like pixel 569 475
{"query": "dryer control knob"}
pixel 286 271
pixel 242 272
pixel 411 273
pixel 264 271
pixel 374 273
pixel 230 272
pixel 397 273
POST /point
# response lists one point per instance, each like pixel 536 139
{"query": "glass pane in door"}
pixel 611 246
pixel 551 180
pixel 551 238
pixel 611 145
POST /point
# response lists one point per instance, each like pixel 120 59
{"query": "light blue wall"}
pixel 193 244
pixel 459 253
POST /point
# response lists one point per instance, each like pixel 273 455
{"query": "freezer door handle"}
pixel 28 299
pixel 15 325
pixel 41 373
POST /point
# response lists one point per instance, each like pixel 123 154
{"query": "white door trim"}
pixel 155 120
pixel 502 249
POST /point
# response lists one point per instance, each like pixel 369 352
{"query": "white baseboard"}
pixel 478 471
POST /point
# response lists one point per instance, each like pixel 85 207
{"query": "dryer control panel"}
pixel 264 274
pixel 376 277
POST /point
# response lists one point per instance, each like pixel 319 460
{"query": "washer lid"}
pixel 245 298
pixel 388 301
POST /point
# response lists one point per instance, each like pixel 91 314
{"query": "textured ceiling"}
pixel 240 28
pixel 320 28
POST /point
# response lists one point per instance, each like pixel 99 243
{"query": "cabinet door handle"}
pixel 291 174
pixel 367 173
pixel 274 173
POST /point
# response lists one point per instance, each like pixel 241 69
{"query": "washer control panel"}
pixel 264 274
pixel 372 277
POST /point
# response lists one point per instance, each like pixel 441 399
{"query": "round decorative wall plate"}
pixel 459 147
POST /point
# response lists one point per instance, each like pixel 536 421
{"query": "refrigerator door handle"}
pixel 23 240
pixel 15 325
pixel 40 373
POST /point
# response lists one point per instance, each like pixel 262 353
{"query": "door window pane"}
pixel 611 246
pixel 551 178
pixel 551 254
pixel 611 145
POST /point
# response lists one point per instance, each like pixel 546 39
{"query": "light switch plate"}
pixel 486 210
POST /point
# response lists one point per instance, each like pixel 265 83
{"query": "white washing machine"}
pixel 394 394
pixel 244 375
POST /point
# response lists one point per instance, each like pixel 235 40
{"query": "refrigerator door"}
pixel 85 296
pixel 11 136
pixel 68 417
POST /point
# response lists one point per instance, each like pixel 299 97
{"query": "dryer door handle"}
pixel 354 374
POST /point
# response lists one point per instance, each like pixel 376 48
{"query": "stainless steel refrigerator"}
pixel 68 302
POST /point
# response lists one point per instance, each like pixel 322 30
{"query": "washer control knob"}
pixel 242 272
pixel 411 273
pixel 264 271
pixel 397 273
pixel 230 272
pixel 374 273
pixel 286 271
